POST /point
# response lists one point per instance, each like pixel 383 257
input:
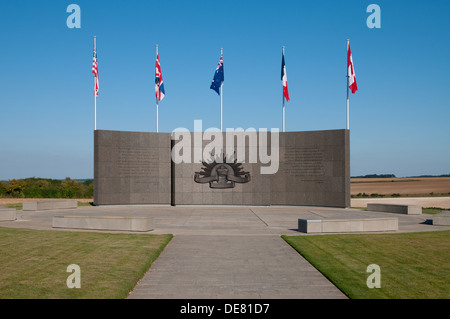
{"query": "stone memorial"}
pixel 131 168
pixel 229 168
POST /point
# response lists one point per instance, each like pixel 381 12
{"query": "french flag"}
pixel 284 78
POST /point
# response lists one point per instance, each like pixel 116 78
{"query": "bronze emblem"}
pixel 222 175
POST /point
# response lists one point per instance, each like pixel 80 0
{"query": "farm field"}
pixel 422 186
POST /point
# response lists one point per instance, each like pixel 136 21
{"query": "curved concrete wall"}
pixel 310 168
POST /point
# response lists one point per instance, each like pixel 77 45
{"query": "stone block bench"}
pixel 395 208
pixel 50 204
pixel 7 214
pixel 133 224
pixel 442 219
pixel 347 225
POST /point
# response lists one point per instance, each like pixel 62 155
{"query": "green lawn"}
pixel 413 265
pixel 34 263
pixel 431 210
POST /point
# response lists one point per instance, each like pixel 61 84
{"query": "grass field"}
pixel 34 263
pixel 413 265
pixel 426 186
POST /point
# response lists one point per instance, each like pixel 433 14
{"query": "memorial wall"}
pixel 241 168
pixel 131 168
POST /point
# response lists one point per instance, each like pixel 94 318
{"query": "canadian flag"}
pixel 351 71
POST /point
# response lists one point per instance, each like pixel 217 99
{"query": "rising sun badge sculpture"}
pixel 221 174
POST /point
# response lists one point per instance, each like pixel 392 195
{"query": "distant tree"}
pixel 375 176
pixel 3 188
pixel 15 188
pixel 47 188
pixel 70 188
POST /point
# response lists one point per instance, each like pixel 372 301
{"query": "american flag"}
pixel 95 71
pixel 159 85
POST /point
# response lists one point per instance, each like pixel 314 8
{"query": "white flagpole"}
pixel 221 91
pixel 157 121
pixel 348 106
pixel 284 125
pixel 95 87
pixel 282 93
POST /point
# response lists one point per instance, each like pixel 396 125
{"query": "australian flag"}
pixel 218 77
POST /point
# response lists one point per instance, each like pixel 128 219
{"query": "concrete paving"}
pixel 250 267
pixel 219 220
pixel 228 252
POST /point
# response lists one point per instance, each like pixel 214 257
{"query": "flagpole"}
pixel 348 106
pixel 284 127
pixel 95 87
pixel 156 95
pixel 282 93
pixel 221 102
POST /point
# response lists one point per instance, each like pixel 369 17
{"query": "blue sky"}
pixel 399 117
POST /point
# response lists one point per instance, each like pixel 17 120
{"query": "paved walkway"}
pixel 227 252
pixel 233 267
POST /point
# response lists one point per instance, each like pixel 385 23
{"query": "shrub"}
pixel 47 188
pixel 3 187
pixel 15 188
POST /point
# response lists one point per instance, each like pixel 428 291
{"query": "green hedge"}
pixel 47 188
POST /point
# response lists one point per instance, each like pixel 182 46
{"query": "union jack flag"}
pixel 95 71
pixel 159 84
